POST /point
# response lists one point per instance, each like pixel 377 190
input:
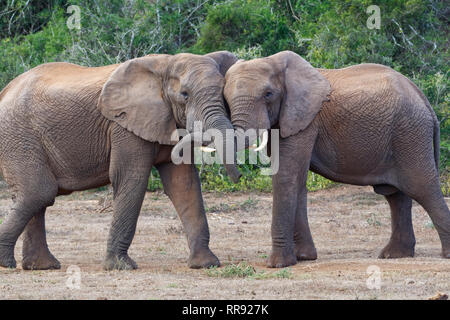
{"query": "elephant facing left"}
pixel 66 128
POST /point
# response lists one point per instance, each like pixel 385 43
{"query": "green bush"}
pixel 244 23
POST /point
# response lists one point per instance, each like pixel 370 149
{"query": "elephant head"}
pixel 154 95
pixel 282 90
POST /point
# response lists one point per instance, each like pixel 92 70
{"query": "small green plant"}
pixel 249 204
pixel 317 182
pixel 285 273
pixel 373 221
pixel 220 208
pixel 243 270
pixel 1 221
pixel 429 225
pixel 161 250
pixel 154 181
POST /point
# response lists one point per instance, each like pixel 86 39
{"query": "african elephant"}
pixel 365 125
pixel 65 128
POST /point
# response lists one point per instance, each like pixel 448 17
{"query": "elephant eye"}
pixel 268 94
pixel 185 95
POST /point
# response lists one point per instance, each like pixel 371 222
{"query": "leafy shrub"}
pixel 244 23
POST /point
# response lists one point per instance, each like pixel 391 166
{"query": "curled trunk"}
pixel 220 122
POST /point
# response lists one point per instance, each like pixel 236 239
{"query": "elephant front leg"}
pixel 304 244
pixel 291 237
pixel 182 185
pixel 283 219
pixel 131 163
pixel 128 197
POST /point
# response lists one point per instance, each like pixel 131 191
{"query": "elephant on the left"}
pixel 66 128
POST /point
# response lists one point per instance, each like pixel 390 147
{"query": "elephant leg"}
pixel 432 200
pixel 289 197
pixel 304 244
pixel 131 162
pixel 419 179
pixel 402 240
pixel 35 189
pixel 182 185
pixel 35 252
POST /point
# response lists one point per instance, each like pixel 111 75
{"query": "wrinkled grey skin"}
pixel 65 128
pixel 363 125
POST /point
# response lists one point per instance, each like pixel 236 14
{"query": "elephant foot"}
pixel 119 262
pixel 305 252
pixel 397 249
pixel 203 259
pixel 41 261
pixel 7 257
pixel 281 258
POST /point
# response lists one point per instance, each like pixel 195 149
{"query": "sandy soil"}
pixel 349 224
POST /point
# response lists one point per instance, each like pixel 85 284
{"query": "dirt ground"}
pixel 350 225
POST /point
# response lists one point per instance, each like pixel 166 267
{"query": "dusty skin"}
pixel 350 225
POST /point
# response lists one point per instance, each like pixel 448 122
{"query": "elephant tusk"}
pixel 207 149
pixel 265 140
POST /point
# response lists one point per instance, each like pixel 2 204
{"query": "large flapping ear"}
pixel 133 97
pixel 224 59
pixel 305 91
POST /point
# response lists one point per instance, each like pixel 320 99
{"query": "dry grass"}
pixel 350 225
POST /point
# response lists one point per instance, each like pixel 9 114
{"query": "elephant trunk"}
pixel 214 116
pixel 227 150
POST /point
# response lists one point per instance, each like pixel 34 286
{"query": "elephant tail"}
pixel 436 132
pixel 436 138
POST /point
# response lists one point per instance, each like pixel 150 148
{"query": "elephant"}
pixel 66 128
pixel 364 125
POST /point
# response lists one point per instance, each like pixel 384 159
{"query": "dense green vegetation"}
pixel 413 39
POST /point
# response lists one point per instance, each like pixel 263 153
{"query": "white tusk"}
pixel 207 149
pixel 265 140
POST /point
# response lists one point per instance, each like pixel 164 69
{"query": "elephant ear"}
pixel 305 91
pixel 224 60
pixel 133 97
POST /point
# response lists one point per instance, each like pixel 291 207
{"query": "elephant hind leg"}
pixel 421 183
pixel 35 252
pixel 402 241
pixel 432 200
pixel 35 189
